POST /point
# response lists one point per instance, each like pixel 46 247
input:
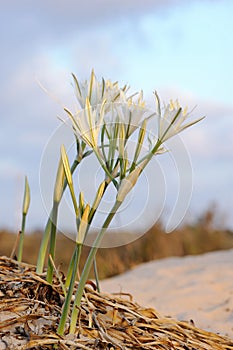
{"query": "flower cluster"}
pixel 109 118
pixel 104 102
pixel 109 112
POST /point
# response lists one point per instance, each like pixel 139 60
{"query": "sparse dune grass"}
pixel 199 238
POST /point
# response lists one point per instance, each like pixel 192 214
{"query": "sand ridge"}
pixel 198 288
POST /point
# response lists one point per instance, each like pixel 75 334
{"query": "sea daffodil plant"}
pixel 104 123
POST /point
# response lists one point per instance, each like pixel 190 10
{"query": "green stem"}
pixel 171 123
pixel 53 234
pixel 96 275
pixel 70 270
pixel 73 268
pixel 21 241
pixel 87 267
pixel 66 306
pixel 151 153
pixel 104 167
pixel 43 246
pixel 71 264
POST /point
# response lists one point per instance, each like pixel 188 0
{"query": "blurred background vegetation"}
pixel 200 237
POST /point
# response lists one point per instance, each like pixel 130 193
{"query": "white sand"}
pixel 193 287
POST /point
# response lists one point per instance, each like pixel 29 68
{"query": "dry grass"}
pixel 30 309
pixel 155 244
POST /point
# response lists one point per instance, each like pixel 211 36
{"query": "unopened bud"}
pixel 26 199
pixel 83 224
pixel 99 195
pixel 58 189
pixel 128 183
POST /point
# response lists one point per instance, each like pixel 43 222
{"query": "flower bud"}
pixel 58 190
pixel 26 199
pixel 83 225
pixel 128 183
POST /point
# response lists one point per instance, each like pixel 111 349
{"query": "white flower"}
pixel 93 90
pixel 118 107
pixel 97 91
pixel 131 113
pixel 113 93
pixel 87 123
pixel 172 120
pixel 127 112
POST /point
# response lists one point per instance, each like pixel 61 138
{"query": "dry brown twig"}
pixel 30 309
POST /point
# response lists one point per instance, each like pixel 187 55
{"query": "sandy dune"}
pixel 193 287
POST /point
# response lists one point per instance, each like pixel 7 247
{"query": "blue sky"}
pixel 182 49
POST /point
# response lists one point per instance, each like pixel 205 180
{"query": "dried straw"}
pixel 30 309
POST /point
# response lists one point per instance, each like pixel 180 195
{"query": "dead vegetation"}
pixel 30 309
pixel 199 238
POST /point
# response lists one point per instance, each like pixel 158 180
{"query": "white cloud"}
pixel 48 40
pixel 76 12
